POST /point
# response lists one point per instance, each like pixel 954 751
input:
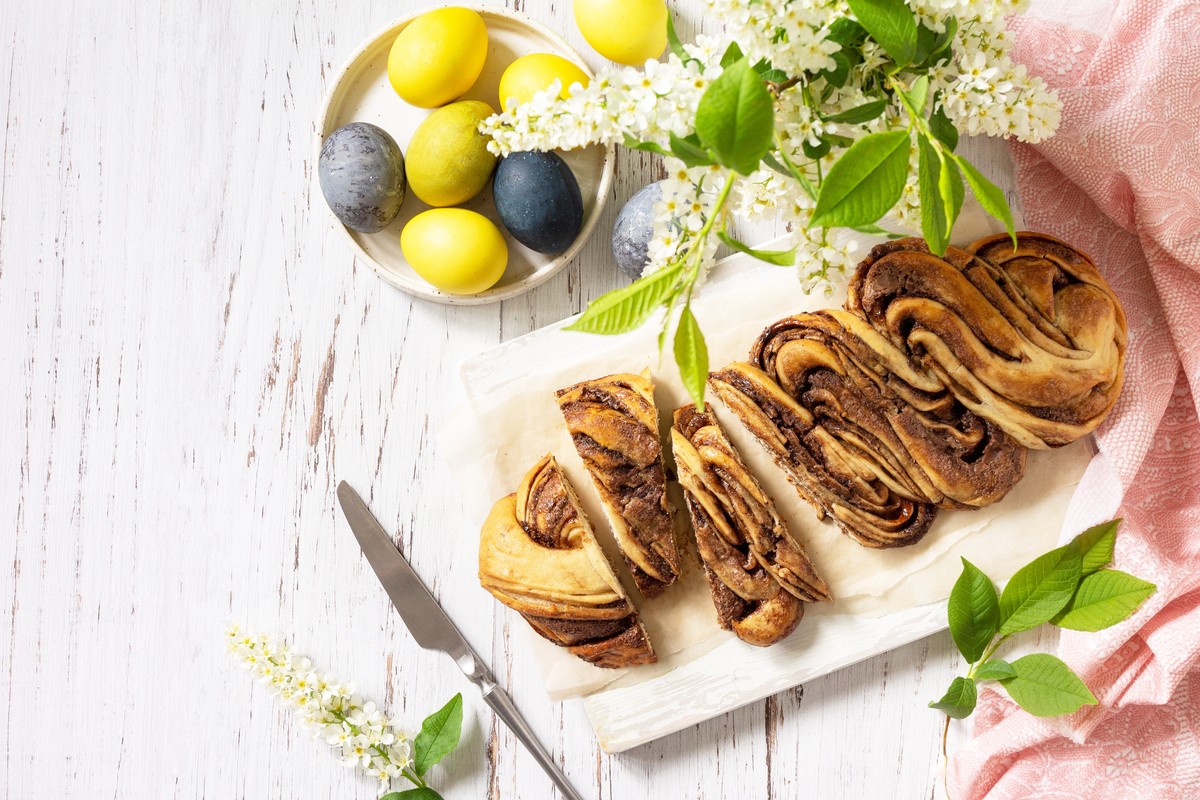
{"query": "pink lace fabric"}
pixel 1121 181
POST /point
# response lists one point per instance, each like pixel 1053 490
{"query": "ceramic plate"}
pixel 361 93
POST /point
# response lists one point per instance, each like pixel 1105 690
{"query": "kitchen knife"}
pixel 433 629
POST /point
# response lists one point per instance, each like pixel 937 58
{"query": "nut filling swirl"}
pixel 614 425
pixel 757 572
pixel 539 556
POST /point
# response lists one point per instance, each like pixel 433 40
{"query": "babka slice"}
pixel 867 500
pixel 539 556
pixel 614 424
pixel 757 572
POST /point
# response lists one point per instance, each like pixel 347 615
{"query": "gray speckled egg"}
pixel 361 170
pixel 634 229
pixel 538 200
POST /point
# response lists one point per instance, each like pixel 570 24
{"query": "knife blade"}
pixel 433 629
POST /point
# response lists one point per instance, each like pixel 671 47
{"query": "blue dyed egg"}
pixel 538 200
pixel 361 170
pixel 634 229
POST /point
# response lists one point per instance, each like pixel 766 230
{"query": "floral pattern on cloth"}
pixel 1121 181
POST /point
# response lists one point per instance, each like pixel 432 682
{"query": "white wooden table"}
pixel 191 359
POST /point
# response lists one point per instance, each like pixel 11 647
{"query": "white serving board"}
pixel 709 677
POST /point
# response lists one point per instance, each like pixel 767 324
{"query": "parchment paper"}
pixel 511 420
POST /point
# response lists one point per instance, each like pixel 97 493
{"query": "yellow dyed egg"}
pixel 457 250
pixel 448 161
pixel 438 56
pixel 627 31
pixel 530 74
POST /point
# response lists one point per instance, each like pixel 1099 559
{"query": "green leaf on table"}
pixel 891 23
pixel 419 793
pixel 1096 545
pixel 918 93
pixel 735 118
pixel 989 196
pixel 942 128
pixel 1103 599
pixel 780 258
pixel 673 40
pixel 859 114
pixel 689 151
pixel 959 700
pixel 1046 687
pixel 1040 589
pixel 691 355
pixel 973 611
pixel 624 309
pixel 439 735
pixel 995 669
pixel 646 147
pixel 865 182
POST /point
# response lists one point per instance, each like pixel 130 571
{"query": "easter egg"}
pixel 530 74
pixel 626 31
pixel 361 172
pixel 634 229
pixel 438 56
pixel 456 250
pixel 448 160
pixel 538 200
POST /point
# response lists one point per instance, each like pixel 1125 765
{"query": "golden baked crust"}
pixel 614 425
pixel 757 572
pixel 539 556
pixel 863 392
pixel 868 503
pixel 1032 339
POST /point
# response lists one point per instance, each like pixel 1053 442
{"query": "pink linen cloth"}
pixel 1121 181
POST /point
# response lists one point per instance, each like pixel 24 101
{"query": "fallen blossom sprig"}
pixel 357 730
pixel 827 115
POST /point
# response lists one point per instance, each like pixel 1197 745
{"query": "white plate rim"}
pixel 417 287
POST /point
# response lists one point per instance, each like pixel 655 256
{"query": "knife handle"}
pixel 499 701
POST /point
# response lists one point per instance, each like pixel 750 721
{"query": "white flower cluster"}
pixel 648 104
pixel 789 34
pixel 331 709
pixel 982 90
pixel 688 197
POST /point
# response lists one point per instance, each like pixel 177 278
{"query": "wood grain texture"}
pixel 191 359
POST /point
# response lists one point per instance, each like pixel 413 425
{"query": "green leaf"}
pixel 864 113
pixel 995 669
pixel 1040 589
pixel 950 188
pixel 927 39
pixel 624 309
pixel 1046 687
pixel 942 128
pixel 989 196
pixel 735 119
pixel 420 793
pixel 941 48
pixel 439 735
pixel 816 151
pixel 691 354
pixel 780 258
pixel 841 71
pixel 648 147
pixel 846 32
pixel 768 72
pixel 865 182
pixel 690 152
pixel 673 40
pixel 959 700
pixel 875 230
pixel 973 611
pixel 918 93
pixel 891 23
pixel 1104 598
pixel 1096 545
pixel 935 219
pixel 733 53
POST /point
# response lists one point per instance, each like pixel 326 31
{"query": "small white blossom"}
pixel 357 730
